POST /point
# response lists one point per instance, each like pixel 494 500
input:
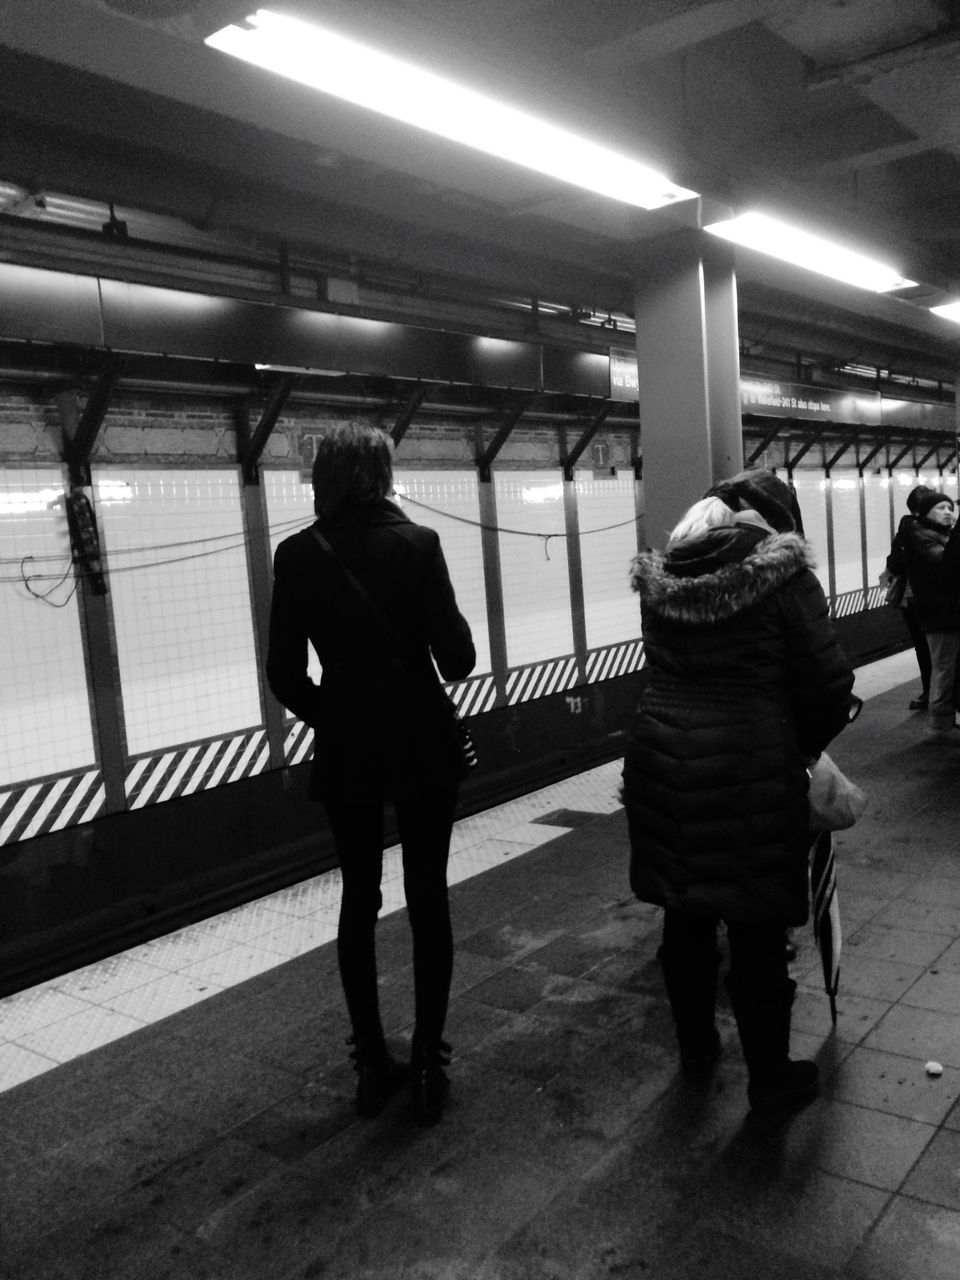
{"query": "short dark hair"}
pixel 353 467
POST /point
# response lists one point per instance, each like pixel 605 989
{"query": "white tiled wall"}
pixel 611 609
pixel 812 496
pixel 289 499
pixel 448 502
pixel 44 708
pixel 876 494
pixel 845 498
pixel 533 557
pixel 181 603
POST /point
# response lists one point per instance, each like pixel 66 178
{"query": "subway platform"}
pixel 184 1110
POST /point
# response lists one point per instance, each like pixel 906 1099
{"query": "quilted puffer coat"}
pixel 746 684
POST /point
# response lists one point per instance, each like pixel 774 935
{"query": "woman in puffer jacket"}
pixel 746 686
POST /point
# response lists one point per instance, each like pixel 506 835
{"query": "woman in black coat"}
pixel 895 577
pixel 931 553
pixel 383 730
pixel 746 686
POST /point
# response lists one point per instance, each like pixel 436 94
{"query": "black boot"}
pixel 776 1083
pixel 379 1077
pixel 428 1081
pixel 692 991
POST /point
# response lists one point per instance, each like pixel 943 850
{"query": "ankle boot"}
pixel 762 1011
pixel 792 1086
pixel 692 991
pixel 379 1077
pixel 428 1081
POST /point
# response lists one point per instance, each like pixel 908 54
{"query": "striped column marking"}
pixel 473 697
pixel 198 767
pixel 850 602
pixel 298 742
pixel 203 768
pixel 540 680
pixel 50 805
pixel 614 660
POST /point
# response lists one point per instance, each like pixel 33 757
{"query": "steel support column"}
pixel 571 518
pixel 570 458
pixel 864 560
pixel 97 632
pixel 486 454
pixel 688 358
pixel 492 578
pixel 407 412
pixel 253 444
pixel 831 545
pixel 765 443
pixel 256 537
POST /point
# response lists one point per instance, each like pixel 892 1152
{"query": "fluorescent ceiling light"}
pixel 323 60
pixel 951 311
pixel 789 244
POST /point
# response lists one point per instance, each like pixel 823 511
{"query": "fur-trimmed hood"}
pixel 723 592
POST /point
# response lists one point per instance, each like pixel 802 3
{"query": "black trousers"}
pixel 425 822
pixel 758 955
pixel 920 646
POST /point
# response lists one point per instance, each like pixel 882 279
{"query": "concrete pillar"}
pixel 688 358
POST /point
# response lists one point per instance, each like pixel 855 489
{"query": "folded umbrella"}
pixel 826 914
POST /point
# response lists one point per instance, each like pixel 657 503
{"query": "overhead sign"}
pixel 799 400
pixel 767 398
pixel 624 380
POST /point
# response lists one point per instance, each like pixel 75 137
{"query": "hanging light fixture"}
pixel 791 244
pixel 335 64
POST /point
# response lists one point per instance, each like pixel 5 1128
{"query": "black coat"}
pixel 746 682
pixel 931 557
pixel 381 720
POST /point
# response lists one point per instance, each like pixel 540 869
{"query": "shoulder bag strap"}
pixel 359 589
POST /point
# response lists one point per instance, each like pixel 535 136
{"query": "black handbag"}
pixel 459 729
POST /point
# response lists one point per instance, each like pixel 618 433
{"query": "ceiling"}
pixel 842 114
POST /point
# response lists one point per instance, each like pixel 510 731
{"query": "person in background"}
pixel 746 686
pixel 383 731
pixel 931 554
pixel 895 578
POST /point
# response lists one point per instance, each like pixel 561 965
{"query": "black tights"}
pixel 425 822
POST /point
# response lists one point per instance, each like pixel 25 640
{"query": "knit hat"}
pixel 763 492
pixel 928 500
pixel 914 496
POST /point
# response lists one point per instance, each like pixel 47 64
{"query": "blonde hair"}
pixel 708 513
